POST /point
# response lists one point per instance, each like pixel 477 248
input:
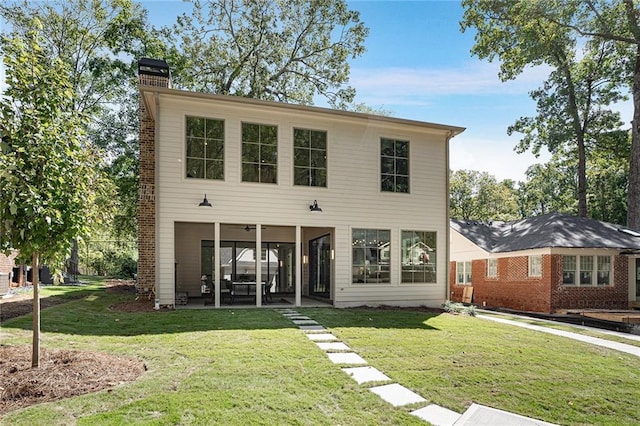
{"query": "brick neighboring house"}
pixel 6 270
pixel 332 206
pixel 547 263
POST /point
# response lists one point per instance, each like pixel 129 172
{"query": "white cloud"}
pixel 412 85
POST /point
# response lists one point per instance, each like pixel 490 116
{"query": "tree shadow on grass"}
pixel 94 316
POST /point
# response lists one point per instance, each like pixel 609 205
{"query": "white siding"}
pixel 352 199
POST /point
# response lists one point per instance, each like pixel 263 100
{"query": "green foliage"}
pixel 459 308
pixel 479 196
pixel 47 170
pixel 285 50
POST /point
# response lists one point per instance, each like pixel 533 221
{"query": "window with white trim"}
pixel 535 265
pixel 492 268
pixel 463 273
pixel 586 270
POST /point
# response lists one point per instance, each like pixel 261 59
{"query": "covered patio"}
pixel 295 265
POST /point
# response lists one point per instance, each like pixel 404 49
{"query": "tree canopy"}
pixel 285 50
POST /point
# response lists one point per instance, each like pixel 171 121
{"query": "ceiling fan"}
pixel 252 228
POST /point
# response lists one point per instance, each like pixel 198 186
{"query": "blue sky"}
pixel 418 66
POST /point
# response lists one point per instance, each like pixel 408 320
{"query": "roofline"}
pixel 452 130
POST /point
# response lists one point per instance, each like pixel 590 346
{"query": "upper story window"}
pixel 259 153
pixel 586 270
pixel 535 265
pixel 310 157
pixel 418 257
pixel 394 165
pixel 205 148
pixel 371 255
pixel 492 268
pixel 463 273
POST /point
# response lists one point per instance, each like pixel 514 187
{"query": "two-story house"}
pixel 343 207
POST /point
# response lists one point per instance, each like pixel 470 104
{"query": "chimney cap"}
pixel 156 67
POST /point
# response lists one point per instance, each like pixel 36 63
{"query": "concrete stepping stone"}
pixel 321 337
pixel 437 415
pixel 305 322
pixel 397 395
pixel 312 328
pixel 366 374
pixel 299 317
pixel 346 358
pixel 333 346
pixel 481 415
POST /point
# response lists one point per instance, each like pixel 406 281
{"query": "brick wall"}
pixel 6 262
pixel 514 289
pixel 147 191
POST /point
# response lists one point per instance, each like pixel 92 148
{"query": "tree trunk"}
pixel 633 193
pixel 35 278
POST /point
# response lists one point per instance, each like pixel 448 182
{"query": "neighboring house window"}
pixel 586 270
pixel 463 273
pixel 310 157
pixel 535 266
pixel 492 268
pixel 591 270
pixel 418 257
pixel 259 153
pixel 205 148
pixel 394 165
pixel 371 255
pixel 569 270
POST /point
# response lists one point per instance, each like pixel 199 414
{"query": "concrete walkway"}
pixel 622 347
pixel 394 393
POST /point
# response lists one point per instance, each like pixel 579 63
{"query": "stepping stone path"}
pixel 394 393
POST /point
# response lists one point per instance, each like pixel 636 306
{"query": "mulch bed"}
pixel 61 374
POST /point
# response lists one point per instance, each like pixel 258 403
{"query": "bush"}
pixel 459 308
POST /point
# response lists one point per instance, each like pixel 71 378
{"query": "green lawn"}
pixel 250 366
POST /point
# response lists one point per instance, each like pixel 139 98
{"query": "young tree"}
pixel 47 171
pixel 285 50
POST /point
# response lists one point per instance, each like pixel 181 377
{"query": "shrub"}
pixel 459 308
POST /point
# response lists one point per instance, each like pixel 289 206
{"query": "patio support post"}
pixel 258 265
pixel 216 263
pixel 298 265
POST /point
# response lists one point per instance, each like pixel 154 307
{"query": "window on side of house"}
pixel 463 273
pixel 418 257
pixel 394 165
pixel 309 157
pixel 259 153
pixel 205 148
pixel 492 268
pixel 590 270
pixel 569 270
pixel 371 255
pixel 535 266
pixel 586 270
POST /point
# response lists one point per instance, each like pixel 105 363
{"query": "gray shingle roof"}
pixel 546 231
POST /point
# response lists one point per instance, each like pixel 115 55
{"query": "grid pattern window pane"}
pixel 492 268
pixel 371 255
pixel 394 165
pixel 569 270
pixel 460 272
pixel 418 257
pixel 309 157
pixel 467 272
pixel 259 153
pixel 604 270
pixel 586 270
pixel 535 266
pixel 205 148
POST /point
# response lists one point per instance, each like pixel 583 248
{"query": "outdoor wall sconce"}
pixel 315 207
pixel 205 202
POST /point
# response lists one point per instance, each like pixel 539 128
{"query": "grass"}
pixel 252 366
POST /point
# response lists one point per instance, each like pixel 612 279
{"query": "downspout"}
pixel 156 148
pixel 447 286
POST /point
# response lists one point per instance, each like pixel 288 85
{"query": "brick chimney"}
pixel 151 73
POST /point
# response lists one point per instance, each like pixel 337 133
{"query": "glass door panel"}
pixel 320 267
